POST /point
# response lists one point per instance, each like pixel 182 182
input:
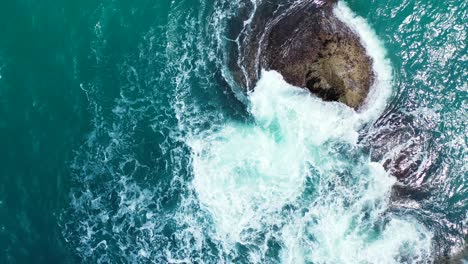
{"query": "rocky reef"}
pixel 310 47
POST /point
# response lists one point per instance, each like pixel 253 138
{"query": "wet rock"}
pixel 458 258
pixel 311 48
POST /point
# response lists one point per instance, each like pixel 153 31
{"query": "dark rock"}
pixel 311 48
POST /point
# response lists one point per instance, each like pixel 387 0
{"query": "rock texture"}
pixel 311 48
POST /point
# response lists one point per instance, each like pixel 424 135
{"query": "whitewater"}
pixel 294 176
pixel 273 175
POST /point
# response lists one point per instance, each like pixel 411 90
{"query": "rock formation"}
pixel 311 48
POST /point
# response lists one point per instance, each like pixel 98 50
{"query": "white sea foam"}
pixel 291 179
pixel 295 176
pixel 247 170
pixel 247 174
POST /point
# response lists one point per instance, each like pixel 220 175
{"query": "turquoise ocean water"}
pixel 124 140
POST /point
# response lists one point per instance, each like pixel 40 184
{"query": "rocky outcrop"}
pixel 311 48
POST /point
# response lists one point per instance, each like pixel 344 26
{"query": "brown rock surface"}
pixel 311 48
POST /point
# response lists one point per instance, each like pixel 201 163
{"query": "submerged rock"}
pixel 311 48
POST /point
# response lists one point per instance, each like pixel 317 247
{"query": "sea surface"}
pixel 124 139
